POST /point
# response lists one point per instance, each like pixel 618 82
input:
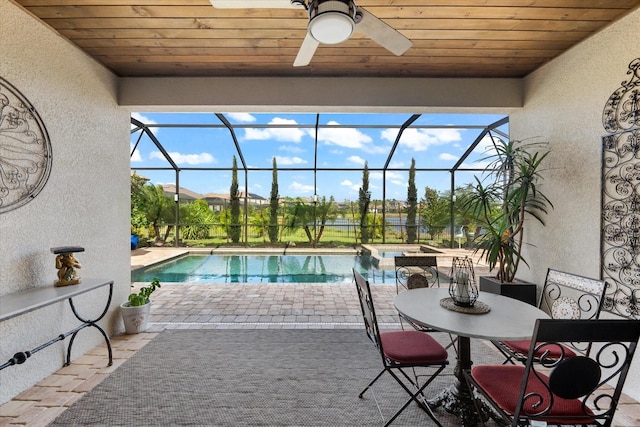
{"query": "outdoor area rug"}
pixel 285 377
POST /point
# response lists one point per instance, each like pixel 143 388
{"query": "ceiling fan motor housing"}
pixel 331 21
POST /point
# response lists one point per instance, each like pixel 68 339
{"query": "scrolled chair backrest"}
pixel 416 271
pixel 571 296
pixel 591 385
pixel 368 309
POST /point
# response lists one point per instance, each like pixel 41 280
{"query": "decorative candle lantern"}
pixel 462 282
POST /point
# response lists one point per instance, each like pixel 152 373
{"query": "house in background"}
pixel 215 201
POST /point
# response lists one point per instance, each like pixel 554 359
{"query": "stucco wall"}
pixel 85 202
pixel 564 101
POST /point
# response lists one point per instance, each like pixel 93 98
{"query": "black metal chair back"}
pixel 577 390
pixel 416 271
pixel 368 312
pixel 572 296
pixel 564 296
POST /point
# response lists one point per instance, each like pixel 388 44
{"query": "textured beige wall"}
pixel 563 104
pixel 85 202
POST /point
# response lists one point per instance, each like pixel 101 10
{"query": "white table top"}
pixel 509 319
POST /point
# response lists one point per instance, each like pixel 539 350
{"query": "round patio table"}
pixel 507 319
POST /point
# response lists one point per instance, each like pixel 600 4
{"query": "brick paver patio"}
pixel 273 305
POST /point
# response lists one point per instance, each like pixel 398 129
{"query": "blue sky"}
pixel 435 145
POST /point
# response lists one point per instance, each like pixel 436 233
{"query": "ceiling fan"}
pixel 330 22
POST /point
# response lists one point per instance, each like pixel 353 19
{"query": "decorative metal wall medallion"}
pixel 25 149
pixel 620 246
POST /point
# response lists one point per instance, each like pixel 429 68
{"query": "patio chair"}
pixel 418 271
pixel 577 390
pixel 401 350
pixel 564 296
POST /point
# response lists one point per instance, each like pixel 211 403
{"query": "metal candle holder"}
pixel 462 282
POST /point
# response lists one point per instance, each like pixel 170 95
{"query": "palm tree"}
pixel 157 208
pixel 312 217
pixel 504 203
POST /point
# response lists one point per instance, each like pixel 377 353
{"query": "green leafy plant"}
pixel 502 204
pixel 142 296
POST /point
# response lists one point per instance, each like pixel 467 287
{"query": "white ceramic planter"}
pixel 135 318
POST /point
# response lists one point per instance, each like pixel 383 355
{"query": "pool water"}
pixel 262 269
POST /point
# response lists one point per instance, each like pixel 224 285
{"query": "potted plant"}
pixel 135 311
pixel 503 200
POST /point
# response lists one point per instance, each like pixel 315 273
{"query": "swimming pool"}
pixel 194 268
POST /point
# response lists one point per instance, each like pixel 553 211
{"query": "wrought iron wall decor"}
pixel 620 234
pixel 622 111
pixel 25 149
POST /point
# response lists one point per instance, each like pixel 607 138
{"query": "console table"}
pixel 23 302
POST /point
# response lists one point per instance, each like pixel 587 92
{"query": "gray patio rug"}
pixel 254 378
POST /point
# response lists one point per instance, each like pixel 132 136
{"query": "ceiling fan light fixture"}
pixel 332 21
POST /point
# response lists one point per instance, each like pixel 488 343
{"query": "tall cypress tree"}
pixel 234 197
pixel 412 203
pixel 363 205
pixel 273 205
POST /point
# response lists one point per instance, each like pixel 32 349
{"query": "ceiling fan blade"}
pixel 383 34
pixel 254 4
pixel 308 48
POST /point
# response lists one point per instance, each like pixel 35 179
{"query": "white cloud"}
pixel 351 185
pixel 389 176
pixel 278 134
pixel 396 175
pixel 189 159
pixel 422 139
pixel 301 188
pixel 136 155
pixel 241 117
pixel 448 156
pixel 474 165
pixel 343 137
pixel 146 121
pixel 485 146
pixel 291 149
pixel 287 161
pixel 356 159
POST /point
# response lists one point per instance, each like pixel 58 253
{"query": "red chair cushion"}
pixel 522 347
pixel 412 347
pixel 502 383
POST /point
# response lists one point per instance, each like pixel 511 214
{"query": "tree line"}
pixel 154 215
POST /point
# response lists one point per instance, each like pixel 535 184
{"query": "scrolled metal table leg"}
pixel 94 323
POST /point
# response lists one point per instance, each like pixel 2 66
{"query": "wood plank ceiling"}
pixel 451 38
